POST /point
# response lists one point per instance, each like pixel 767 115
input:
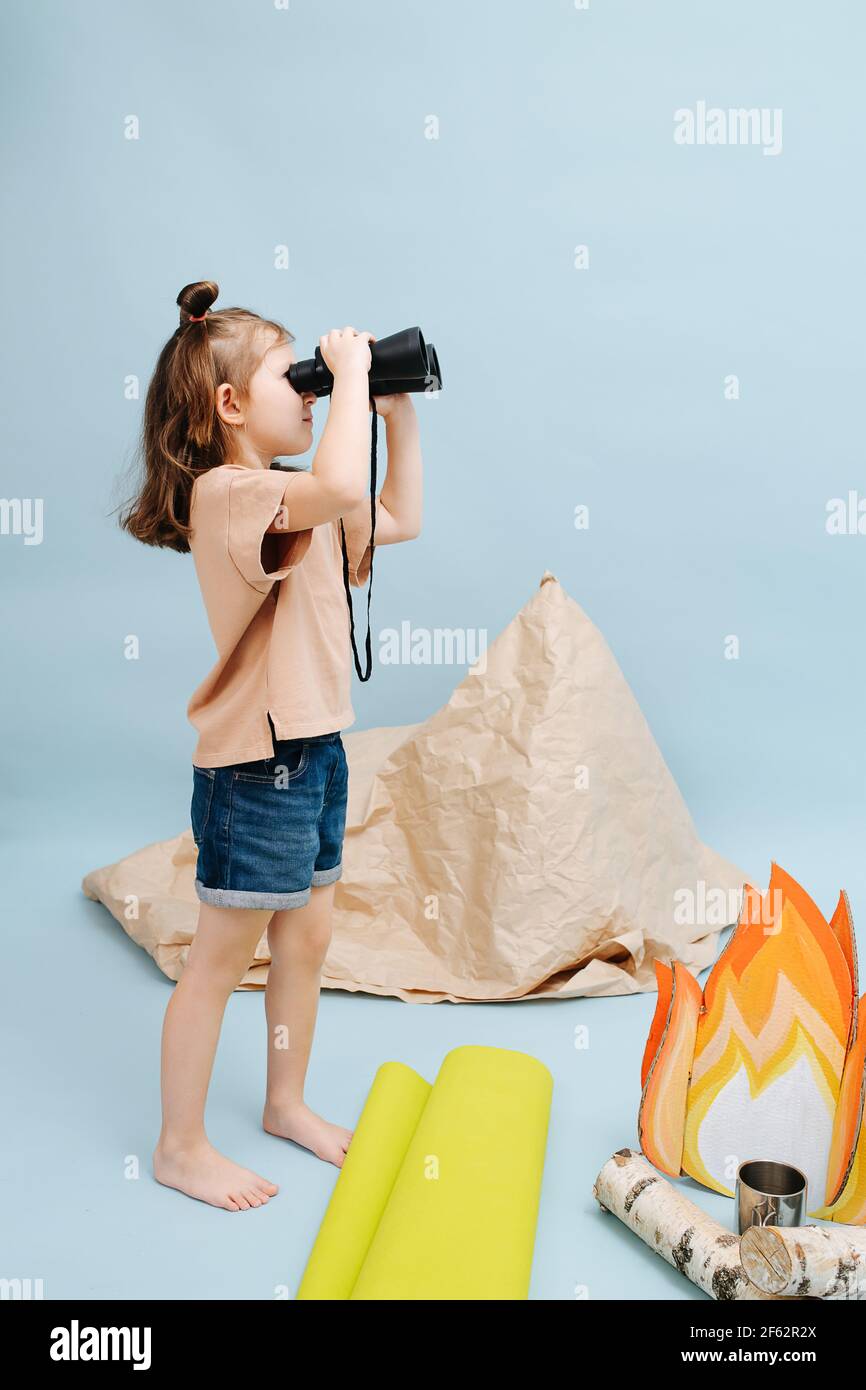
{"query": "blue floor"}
pixel 81 1021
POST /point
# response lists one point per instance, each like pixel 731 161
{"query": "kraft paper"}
pixel 526 841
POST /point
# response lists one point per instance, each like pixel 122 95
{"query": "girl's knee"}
pixel 307 938
pixel 215 973
pixel 319 939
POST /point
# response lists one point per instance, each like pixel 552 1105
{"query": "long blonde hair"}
pixel 182 435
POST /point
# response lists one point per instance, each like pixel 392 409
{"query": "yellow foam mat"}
pixel 438 1195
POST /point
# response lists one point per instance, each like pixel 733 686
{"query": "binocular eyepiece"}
pixel 399 364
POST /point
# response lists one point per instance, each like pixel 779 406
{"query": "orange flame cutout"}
pixel 769 1061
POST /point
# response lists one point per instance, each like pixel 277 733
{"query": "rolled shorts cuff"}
pixel 238 897
pixel 323 876
pixel 276 902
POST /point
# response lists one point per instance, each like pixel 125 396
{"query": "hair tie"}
pixel 196 318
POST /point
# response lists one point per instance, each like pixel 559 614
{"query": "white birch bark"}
pixel 674 1227
pixel 806 1261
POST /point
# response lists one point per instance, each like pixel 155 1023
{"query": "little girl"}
pixel 269 769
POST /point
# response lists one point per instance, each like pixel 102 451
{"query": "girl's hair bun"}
pixel 195 299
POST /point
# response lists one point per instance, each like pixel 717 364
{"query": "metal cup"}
pixel 769 1194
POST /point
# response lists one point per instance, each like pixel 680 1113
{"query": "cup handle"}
pixel 770 1211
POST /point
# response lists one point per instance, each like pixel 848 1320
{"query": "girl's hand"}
pixel 346 350
pixel 391 405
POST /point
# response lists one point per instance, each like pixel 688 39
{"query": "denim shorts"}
pixel 269 831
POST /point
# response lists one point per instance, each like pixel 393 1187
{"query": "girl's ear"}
pixel 227 405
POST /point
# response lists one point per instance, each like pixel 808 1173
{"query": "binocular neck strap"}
pixel 362 675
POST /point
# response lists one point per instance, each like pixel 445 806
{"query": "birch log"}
pixel 674 1227
pixel 808 1261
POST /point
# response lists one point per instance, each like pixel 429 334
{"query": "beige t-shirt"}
pixel 276 605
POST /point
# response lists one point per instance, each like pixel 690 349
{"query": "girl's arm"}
pixel 337 477
pixel 398 509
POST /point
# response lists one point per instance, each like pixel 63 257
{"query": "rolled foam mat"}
pixel 438 1195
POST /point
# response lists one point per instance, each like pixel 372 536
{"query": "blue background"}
pixel 261 127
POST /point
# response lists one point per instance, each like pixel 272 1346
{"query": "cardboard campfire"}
pixel 526 841
pixel 767 1062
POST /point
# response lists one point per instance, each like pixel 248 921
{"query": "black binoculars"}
pixel 399 364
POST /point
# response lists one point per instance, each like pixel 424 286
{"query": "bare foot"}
pixel 206 1174
pixel 300 1124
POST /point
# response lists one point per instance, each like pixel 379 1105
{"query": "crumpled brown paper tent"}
pixel 526 841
